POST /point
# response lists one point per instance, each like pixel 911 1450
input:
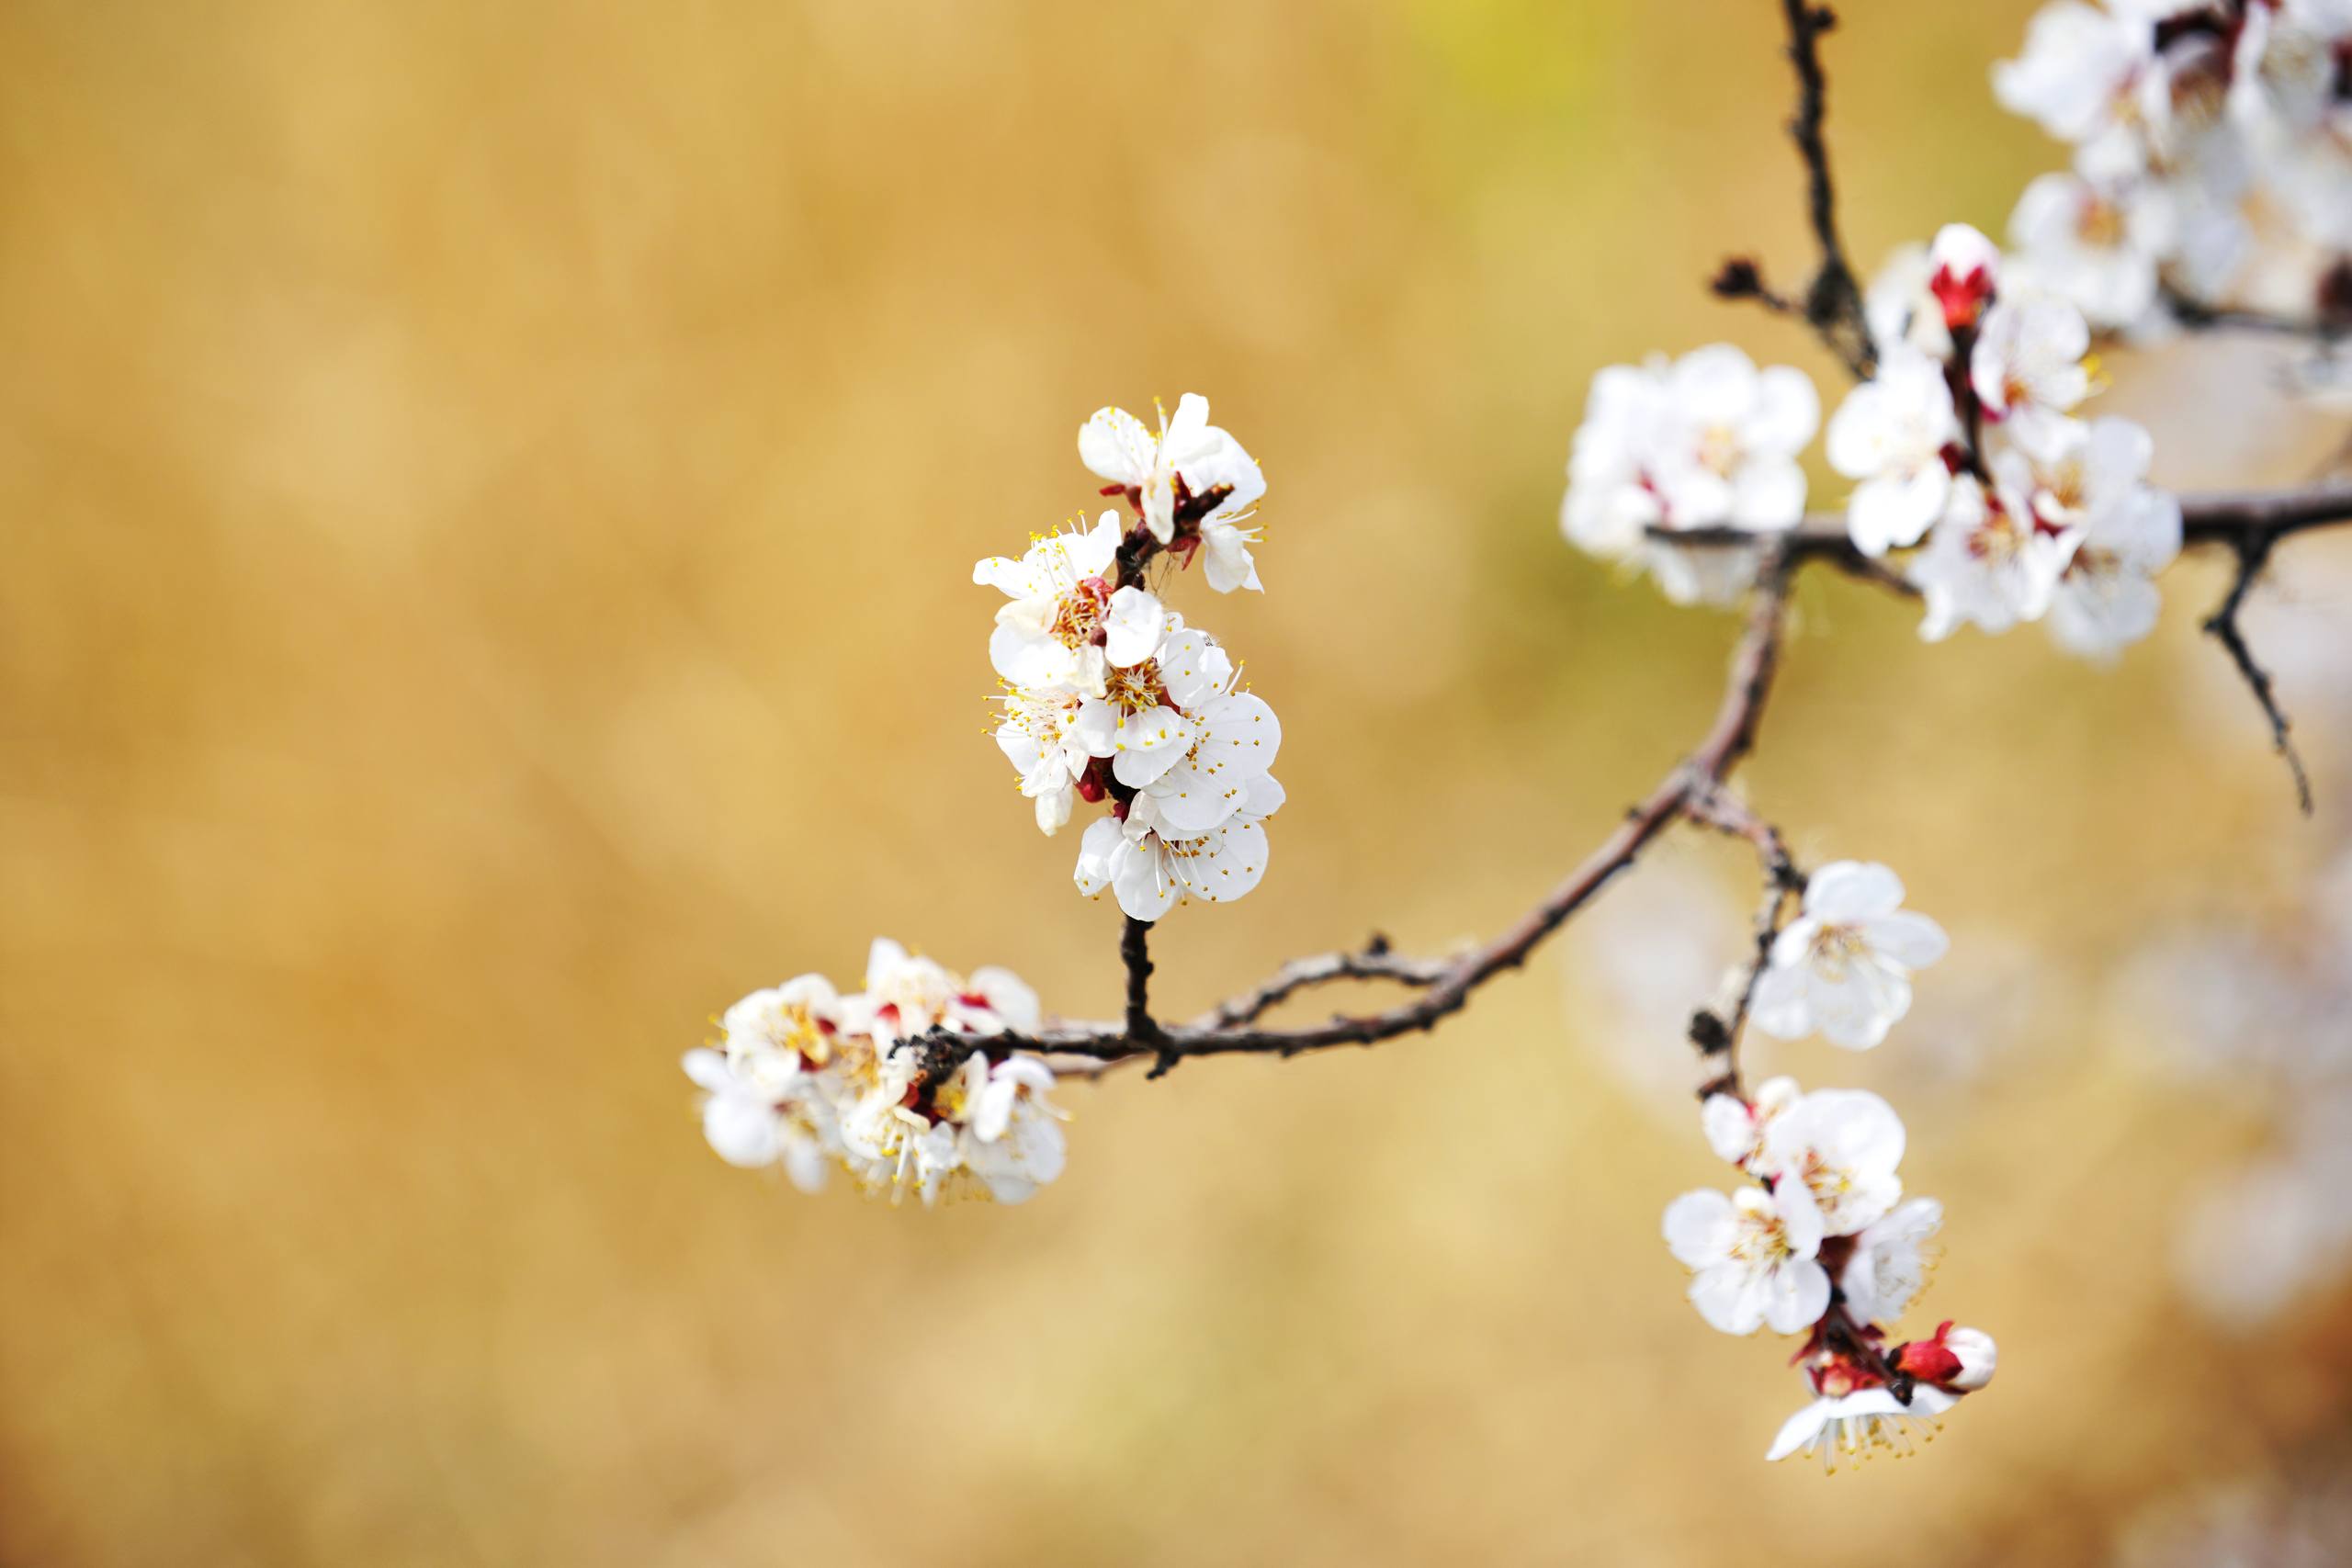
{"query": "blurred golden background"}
pixel 490 494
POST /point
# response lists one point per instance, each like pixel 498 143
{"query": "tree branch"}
pixel 2197 316
pixel 1448 986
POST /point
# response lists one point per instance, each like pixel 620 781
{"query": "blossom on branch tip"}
pixel 1192 478
pixel 1842 969
pixel 1963 273
pixel 1892 433
pixel 814 1081
pixel 1754 1256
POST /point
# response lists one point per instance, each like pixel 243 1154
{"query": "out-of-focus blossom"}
pixel 1989 563
pixel 1891 435
pixel 1843 966
pixel 1709 441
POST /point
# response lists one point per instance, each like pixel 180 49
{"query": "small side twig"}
pixel 2253 551
pixel 1716 1031
pixel 1374 961
pixel 1832 305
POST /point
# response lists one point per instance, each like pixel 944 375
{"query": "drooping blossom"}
pixel 813 1082
pixel 1191 480
pixel 1889 1264
pixel 1848 1429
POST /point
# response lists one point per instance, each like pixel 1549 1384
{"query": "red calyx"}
pixel 1929 1360
pixel 1963 299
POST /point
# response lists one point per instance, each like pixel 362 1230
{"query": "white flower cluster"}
pixel 1108 695
pixel 2212 153
pixel 1966 440
pixel 810 1079
pixel 1706 442
pixel 1821 1240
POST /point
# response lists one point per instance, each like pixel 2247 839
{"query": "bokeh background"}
pixel 488 493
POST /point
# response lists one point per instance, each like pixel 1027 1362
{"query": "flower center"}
pixel 1077 620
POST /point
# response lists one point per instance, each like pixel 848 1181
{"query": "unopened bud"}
pixel 1967 269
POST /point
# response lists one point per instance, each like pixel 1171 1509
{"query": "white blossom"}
pixel 2081 72
pixel 2099 249
pixel 1013 1139
pixel 1853 1427
pixel 1839 1149
pixel 2092 486
pixel 1039 735
pixel 1065 626
pixel 1149 865
pixel 1990 563
pixel 1891 1258
pixel 1843 966
pixel 1735 1127
pixel 1177 470
pixel 1902 310
pixel 759 1111
pixel 1890 434
pixel 1708 441
pixel 1753 1256
pixel 2028 368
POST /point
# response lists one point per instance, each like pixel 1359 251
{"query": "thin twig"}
pixel 1374 961
pixel 2253 555
pixel 1833 301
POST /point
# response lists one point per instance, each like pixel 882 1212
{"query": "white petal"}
pixel 1133 623
pixel 1116 444
pixel 1847 890
pixel 1698 1228
pixel 1907 936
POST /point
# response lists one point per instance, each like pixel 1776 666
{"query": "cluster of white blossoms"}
pixel 1821 1241
pixel 1707 441
pixel 2213 151
pixel 1965 446
pixel 1108 696
pixel 811 1080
